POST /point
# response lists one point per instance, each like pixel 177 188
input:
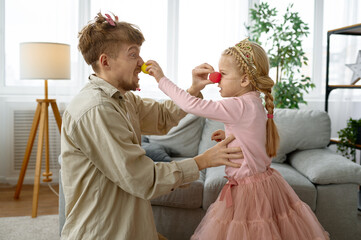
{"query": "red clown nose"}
pixel 215 77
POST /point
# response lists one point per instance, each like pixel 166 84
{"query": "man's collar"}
pixel 109 89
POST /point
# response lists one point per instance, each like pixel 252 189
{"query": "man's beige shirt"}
pixel 107 179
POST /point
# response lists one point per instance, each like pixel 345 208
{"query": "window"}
pixel 306 13
pixel 47 21
pixel 174 36
pixel 179 35
pixel 193 43
pixel 206 28
pixel 152 23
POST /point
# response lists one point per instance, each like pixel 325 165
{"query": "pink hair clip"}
pixel 270 116
pixel 110 20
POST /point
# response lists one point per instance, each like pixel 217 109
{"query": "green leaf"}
pixel 348 137
pixel 284 39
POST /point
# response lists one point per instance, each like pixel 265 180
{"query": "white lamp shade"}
pixel 41 60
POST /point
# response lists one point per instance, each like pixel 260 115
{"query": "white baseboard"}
pixel 28 180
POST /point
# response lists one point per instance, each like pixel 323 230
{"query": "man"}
pixel 107 179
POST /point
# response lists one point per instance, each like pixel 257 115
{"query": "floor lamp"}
pixel 40 60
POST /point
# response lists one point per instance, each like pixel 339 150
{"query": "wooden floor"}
pixel 9 207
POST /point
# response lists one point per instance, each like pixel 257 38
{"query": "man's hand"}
pixel 219 155
pixel 200 78
pixel 154 70
pixel 218 135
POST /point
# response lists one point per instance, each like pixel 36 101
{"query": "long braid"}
pixel 273 138
pixel 264 84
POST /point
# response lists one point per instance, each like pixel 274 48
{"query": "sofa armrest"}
pixel 322 166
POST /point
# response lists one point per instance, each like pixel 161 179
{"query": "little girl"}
pixel 256 202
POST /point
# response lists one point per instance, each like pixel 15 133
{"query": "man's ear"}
pixel 104 61
pixel 245 81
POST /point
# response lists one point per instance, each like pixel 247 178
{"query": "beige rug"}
pixel 25 228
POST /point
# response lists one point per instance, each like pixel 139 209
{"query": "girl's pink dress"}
pixel 256 203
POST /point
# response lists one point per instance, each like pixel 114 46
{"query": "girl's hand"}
pixel 218 135
pixel 219 155
pixel 200 78
pixel 154 70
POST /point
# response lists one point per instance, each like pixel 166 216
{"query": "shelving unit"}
pixel 337 140
pixel 349 30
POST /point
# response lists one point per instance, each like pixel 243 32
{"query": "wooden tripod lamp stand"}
pixel 40 60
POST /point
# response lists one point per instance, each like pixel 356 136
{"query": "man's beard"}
pixel 126 86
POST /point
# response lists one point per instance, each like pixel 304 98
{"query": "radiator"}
pixel 23 120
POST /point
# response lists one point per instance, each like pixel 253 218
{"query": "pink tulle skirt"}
pixel 259 207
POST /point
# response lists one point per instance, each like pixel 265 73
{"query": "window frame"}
pixel 316 78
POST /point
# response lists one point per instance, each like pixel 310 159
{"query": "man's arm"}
pixel 160 117
pixel 105 137
pixel 157 118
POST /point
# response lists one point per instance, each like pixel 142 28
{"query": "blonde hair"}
pixel 263 83
pixel 100 36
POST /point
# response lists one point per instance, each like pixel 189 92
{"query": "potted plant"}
pixel 349 136
pixel 284 41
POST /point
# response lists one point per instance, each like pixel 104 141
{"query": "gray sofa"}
pixel 326 181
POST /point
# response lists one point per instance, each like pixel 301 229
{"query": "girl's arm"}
pixel 226 110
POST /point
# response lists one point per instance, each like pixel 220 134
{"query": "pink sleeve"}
pixel 222 111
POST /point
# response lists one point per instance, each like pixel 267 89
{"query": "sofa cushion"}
pixel 156 152
pixel 187 196
pixel 300 130
pixel 323 166
pixel 305 190
pixel 183 139
pixel 209 127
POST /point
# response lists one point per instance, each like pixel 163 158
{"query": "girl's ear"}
pixel 104 61
pixel 245 81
